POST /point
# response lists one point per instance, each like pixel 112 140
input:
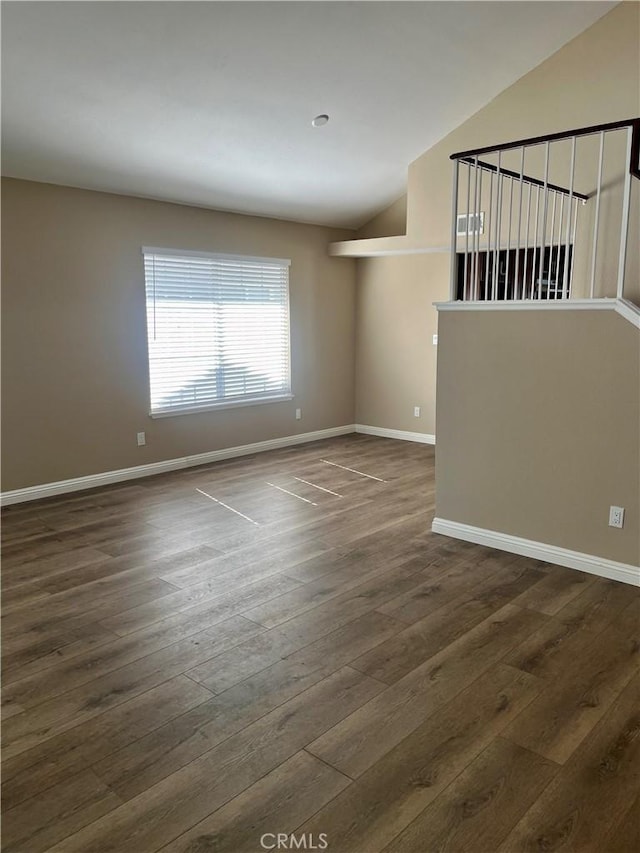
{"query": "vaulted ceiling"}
pixel 211 103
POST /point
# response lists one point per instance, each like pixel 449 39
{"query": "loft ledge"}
pixel 374 247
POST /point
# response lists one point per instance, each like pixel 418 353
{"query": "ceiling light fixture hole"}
pixel 318 121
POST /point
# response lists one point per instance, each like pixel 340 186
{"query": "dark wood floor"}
pixel 180 677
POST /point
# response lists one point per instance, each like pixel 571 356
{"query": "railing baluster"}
pixel 454 234
pixel 506 274
pixel 535 248
pixel 496 251
pixel 573 242
pixel 565 272
pixel 526 245
pixel 556 285
pixel 551 230
pixel 624 228
pixel 466 286
pixel 473 233
pixel 477 261
pixel 543 238
pixel 487 292
pixel 517 285
pixel 596 220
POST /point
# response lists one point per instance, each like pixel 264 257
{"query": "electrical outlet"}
pixel 142 439
pixel 298 414
pixel 616 516
pixel 435 340
pixel 416 411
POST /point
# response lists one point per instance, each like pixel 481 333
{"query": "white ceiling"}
pixel 210 103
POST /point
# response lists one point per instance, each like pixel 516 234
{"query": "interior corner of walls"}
pixel 398 434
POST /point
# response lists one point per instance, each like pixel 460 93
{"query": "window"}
pixel 217 330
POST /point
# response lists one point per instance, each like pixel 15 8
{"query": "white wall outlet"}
pixel 435 340
pixel 142 439
pixel 298 414
pixel 416 411
pixel 616 516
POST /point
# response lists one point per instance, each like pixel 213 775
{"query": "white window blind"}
pixel 217 330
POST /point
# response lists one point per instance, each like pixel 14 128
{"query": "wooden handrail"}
pixel 634 165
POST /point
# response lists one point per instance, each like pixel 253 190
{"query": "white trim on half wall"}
pixel 590 563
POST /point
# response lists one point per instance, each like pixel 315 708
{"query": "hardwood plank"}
pixel 254 561
pixel 555 590
pixel 591 797
pixel 171 747
pixel 343 608
pixel 278 803
pixel 53 633
pixel 66 754
pixel 86 596
pixel 45 567
pixel 350 575
pixel 396 657
pixel 567 710
pixel 21 596
pixel 394 790
pixel 247 659
pixel 74 707
pixel 122 572
pixel 493 586
pixel 327 653
pixel 52 541
pixel 360 741
pixel 169 808
pixel 443 585
pixel 229 593
pixel 479 808
pixel 37 824
pixel 145 541
pixel 625 834
pixel 553 648
pixel 111 656
pixel 24 662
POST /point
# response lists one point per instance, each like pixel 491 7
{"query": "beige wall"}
pixel 75 383
pixel 592 79
pixel 390 222
pixel 538 433
pixel 395 356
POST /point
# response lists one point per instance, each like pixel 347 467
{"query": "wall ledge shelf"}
pixel 375 247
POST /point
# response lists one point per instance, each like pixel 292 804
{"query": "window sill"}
pixel 216 407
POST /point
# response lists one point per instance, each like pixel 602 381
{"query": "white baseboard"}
pixel 540 551
pixel 402 435
pixel 47 490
